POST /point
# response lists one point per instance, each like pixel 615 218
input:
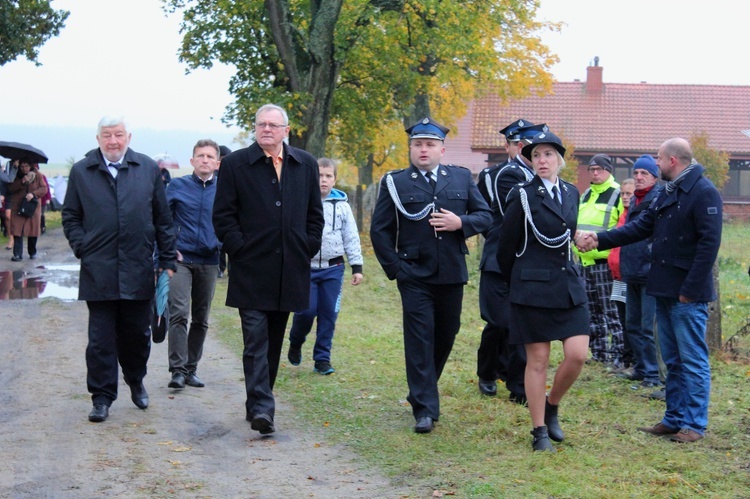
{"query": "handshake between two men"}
pixel 585 240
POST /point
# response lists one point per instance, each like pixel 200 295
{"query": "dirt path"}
pixel 193 443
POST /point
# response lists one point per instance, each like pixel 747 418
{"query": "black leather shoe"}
pixel 294 355
pixel 138 395
pixel 424 424
pixel 488 387
pixel 541 439
pixel 553 425
pixel 99 413
pixel 16 259
pixel 193 380
pixel 262 423
pixel 177 381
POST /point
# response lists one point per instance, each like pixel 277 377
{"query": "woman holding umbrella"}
pixel 28 185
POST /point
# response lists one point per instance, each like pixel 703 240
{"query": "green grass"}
pixel 481 446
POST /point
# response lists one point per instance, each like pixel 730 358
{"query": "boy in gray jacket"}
pixel 340 236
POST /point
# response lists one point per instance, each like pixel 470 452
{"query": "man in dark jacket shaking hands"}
pixel 685 220
pixel 115 213
pixel 269 217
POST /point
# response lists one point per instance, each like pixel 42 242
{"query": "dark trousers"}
pixel 496 358
pixel 641 317
pixel 118 333
pixel 18 246
pixel 431 320
pixel 263 337
pixel 194 282
pixel 325 300
pixel 222 261
pixel 628 359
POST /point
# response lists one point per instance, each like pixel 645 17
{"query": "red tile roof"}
pixel 624 118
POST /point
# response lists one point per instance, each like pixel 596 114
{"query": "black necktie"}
pixel 556 194
pixel 116 166
pixel 431 179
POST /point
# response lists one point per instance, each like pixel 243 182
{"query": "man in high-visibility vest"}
pixel 599 210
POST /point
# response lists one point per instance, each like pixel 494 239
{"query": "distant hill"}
pixel 62 143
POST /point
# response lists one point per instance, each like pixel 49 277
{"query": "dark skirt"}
pixel 535 324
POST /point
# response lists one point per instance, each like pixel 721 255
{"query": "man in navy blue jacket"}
pixel 685 221
pixel 191 199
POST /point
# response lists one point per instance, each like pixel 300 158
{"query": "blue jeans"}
pixel 325 302
pixel 640 312
pixel 682 335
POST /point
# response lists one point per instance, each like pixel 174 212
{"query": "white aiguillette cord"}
pixel 400 207
pixel 549 242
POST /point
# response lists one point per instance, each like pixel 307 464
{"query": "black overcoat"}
pixel 114 224
pixel 269 232
pixel 542 276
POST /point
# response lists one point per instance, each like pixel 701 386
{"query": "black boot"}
pixel 553 425
pixel 541 439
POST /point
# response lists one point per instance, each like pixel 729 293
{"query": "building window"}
pixel 738 184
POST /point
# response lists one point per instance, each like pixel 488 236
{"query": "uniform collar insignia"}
pixel 413 175
pixel 443 172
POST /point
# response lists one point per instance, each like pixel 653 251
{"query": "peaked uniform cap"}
pixel 543 138
pixel 427 128
pixel 528 132
pixel 510 130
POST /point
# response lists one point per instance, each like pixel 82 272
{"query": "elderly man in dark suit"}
pixel 269 217
pixel 685 222
pixel 115 213
pixel 419 228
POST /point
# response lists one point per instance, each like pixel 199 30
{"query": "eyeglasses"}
pixel 272 126
pixel 594 169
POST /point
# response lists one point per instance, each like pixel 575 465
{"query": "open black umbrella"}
pixel 16 150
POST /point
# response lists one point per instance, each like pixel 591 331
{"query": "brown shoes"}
pixel 658 429
pixel 686 436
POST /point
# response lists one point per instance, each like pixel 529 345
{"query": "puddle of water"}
pixel 64 293
pixel 65 268
pixel 22 285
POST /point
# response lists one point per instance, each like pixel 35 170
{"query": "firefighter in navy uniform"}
pixel 423 216
pixel 496 358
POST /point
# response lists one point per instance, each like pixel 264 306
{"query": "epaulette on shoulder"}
pixel 393 172
pixel 456 166
pixel 508 167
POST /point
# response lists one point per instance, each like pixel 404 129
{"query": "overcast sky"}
pixel 117 57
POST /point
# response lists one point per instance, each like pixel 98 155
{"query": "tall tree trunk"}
pixel 420 110
pixel 310 65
